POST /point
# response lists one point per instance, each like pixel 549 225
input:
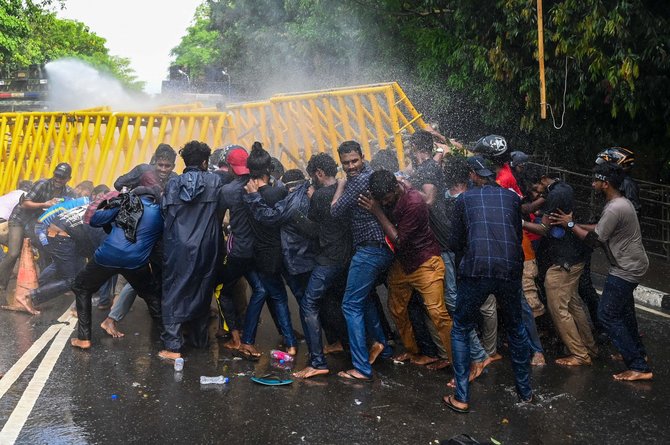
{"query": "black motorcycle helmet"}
pixel 617 155
pixel 491 146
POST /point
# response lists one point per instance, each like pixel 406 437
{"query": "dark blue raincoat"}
pixel 193 244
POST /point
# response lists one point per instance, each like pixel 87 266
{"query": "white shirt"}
pixel 8 202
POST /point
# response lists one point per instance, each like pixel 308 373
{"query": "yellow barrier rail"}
pixel 296 125
pixel 100 145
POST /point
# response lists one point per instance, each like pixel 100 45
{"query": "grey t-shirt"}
pixel 619 230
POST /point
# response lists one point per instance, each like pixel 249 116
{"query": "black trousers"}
pixel 94 275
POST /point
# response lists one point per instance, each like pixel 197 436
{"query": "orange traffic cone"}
pixel 26 280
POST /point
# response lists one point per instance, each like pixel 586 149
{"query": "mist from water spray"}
pixel 76 85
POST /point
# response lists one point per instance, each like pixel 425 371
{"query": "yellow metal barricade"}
pixel 294 126
pixel 100 145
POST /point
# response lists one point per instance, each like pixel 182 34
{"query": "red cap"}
pixel 237 159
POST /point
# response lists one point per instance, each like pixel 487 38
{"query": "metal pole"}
pixel 540 56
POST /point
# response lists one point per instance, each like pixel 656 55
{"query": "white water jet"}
pixel 76 85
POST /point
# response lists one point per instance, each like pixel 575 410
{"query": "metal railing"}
pixel 655 214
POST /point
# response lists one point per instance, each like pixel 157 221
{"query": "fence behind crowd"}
pixel 101 144
pixel 655 215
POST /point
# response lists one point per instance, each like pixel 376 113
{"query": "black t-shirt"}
pixel 42 191
pixel 267 238
pixel 561 246
pixel 334 233
pixel 429 172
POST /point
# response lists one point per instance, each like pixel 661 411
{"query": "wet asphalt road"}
pixel 121 392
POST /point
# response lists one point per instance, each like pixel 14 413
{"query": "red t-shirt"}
pixel 507 180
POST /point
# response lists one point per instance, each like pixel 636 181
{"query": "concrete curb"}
pixel 652 297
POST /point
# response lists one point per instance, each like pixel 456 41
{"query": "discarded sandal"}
pixel 246 355
pixel 271 380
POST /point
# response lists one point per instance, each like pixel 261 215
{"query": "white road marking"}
pixel 27 358
pixel 10 432
pixel 644 308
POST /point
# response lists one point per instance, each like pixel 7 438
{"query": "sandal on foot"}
pixel 448 400
pixel 349 375
pixel 246 355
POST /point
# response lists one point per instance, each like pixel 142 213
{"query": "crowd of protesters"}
pixel 460 242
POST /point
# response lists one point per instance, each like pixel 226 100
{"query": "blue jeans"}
pixel 320 280
pixel 366 265
pixel 106 292
pixel 472 292
pixel 123 303
pixel 529 324
pixel 57 278
pixel 477 352
pixel 254 308
pixel 616 311
pixel 276 292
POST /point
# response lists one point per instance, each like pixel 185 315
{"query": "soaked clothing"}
pixel 241 240
pixel 267 238
pixel 429 172
pixel 334 233
pixel 42 191
pixel 416 242
pixel 193 244
pixel 364 226
pixel 116 250
pixel 132 178
pixel 486 229
pixel 619 230
pixel 560 247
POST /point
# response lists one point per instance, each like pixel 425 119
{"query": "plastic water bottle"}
pixel 179 364
pixel 218 380
pixel 281 356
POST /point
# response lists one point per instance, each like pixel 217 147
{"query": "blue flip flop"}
pixel 271 380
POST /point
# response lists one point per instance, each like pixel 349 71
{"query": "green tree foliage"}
pixel 30 33
pixel 471 64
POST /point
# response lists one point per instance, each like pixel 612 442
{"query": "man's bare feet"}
pixel 630 376
pixel 374 352
pixel 405 356
pixel 422 360
pixel 292 351
pixel 440 364
pixel 476 369
pixel 309 372
pixel 81 344
pixel 333 348
pixel 538 359
pixel 27 302
pixel 495 357
pixel 571 360
pixel 169 355
pixel 249 350
pixel 109 326
pixel 234 342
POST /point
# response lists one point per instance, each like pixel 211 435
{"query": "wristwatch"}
pixel 571 224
